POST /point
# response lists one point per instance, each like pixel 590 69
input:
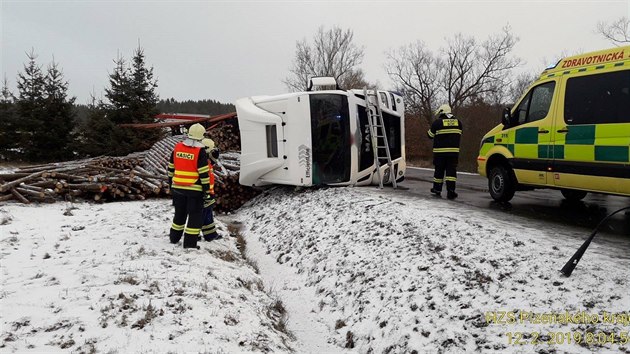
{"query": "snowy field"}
pixel 356 270
pixel 104 278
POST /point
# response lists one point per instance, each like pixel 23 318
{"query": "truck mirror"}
pixel 506 118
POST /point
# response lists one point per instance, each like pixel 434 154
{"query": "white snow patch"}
pixel 105 278
pixel 377 272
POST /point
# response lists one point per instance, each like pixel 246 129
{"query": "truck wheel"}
pixel 501 184
pixel 573 195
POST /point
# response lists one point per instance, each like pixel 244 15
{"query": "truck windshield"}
pixel 330 129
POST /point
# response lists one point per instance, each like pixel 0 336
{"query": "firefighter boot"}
pixel 211 237
pixel 190 241
pixel 451 195
pixel 436 192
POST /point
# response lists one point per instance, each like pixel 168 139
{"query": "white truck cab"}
pixel 317 137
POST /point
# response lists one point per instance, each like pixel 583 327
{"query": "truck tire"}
pixel 501 184
pixel 573 195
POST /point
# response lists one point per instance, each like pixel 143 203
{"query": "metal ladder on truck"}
pixel 377 131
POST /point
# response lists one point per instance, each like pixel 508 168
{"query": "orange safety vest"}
pixel 185 160
pixel 211 176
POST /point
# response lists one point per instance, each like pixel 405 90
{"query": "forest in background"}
pixel 476 77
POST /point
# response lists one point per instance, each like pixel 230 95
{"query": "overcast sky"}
pixel 224 50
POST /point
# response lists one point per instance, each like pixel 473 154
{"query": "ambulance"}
pixel 318 137
pixel 569 131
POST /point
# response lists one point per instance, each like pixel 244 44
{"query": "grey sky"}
pixel 229 49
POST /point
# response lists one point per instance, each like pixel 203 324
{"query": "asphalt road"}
pixel 544 204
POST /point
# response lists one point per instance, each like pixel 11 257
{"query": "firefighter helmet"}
pixel 208 143
pixel 444 109
pixel 214 154
pixel 196 131
pixel 212 151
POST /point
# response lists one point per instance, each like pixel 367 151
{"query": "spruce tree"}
pixel 144 100
pixel 7 121
pixel 119 93
pixel 30 109
pixel 57 140
pixel 132 99
pixel 97 130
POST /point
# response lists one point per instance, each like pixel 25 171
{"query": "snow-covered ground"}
pixel 358 270
pixel 389 274
pixel 104 278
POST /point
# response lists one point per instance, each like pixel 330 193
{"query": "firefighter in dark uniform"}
pixel 190 186
pixel 446 132
pixel 208 228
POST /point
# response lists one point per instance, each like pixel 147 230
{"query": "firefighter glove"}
pixel 208 200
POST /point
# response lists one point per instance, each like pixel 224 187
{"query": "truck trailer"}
pixel 321 136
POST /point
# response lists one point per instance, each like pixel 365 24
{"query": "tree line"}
pixel 42 122
pixel 476 77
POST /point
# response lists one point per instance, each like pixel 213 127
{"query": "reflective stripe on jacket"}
pixel 184 169
pixel 446 132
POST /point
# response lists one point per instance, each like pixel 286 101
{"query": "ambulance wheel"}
pixel 573 195
pixel 501 184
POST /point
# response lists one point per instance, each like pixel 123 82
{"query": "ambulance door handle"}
pixel 544 131
pixel 564 130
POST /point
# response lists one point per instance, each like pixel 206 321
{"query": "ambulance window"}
pixel 520 115
pixel 601 98
pixel 535 105
pixel 541 101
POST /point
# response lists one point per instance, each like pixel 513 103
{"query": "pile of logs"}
pixel 134 177
pixel 99 179
pixel 225 135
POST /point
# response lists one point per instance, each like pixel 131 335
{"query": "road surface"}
pixel 543 204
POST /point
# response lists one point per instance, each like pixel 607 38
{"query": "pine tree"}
pixel 7 121
pixel 30 108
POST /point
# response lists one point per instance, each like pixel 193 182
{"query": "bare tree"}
pixel 618 32
pixel 415 71
pixel 518 86
pixel 474 71
pixel 332 53
pixel 460 73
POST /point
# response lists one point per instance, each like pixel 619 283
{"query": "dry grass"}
pixel 349 340
pixel 225 255
pixel 129 279
pixel 150 313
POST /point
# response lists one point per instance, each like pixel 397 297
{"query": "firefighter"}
pixel 445 131
pixel 190 186
pixel 208 228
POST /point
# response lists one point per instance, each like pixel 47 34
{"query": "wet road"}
pixel 543 205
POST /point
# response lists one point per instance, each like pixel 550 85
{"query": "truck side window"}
pixel 600 98
pixel 535 106
pixel 391 95
pixel 384 99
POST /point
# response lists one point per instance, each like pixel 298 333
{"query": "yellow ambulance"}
pixel 569 131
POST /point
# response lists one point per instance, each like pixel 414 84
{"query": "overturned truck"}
pixel 320 137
